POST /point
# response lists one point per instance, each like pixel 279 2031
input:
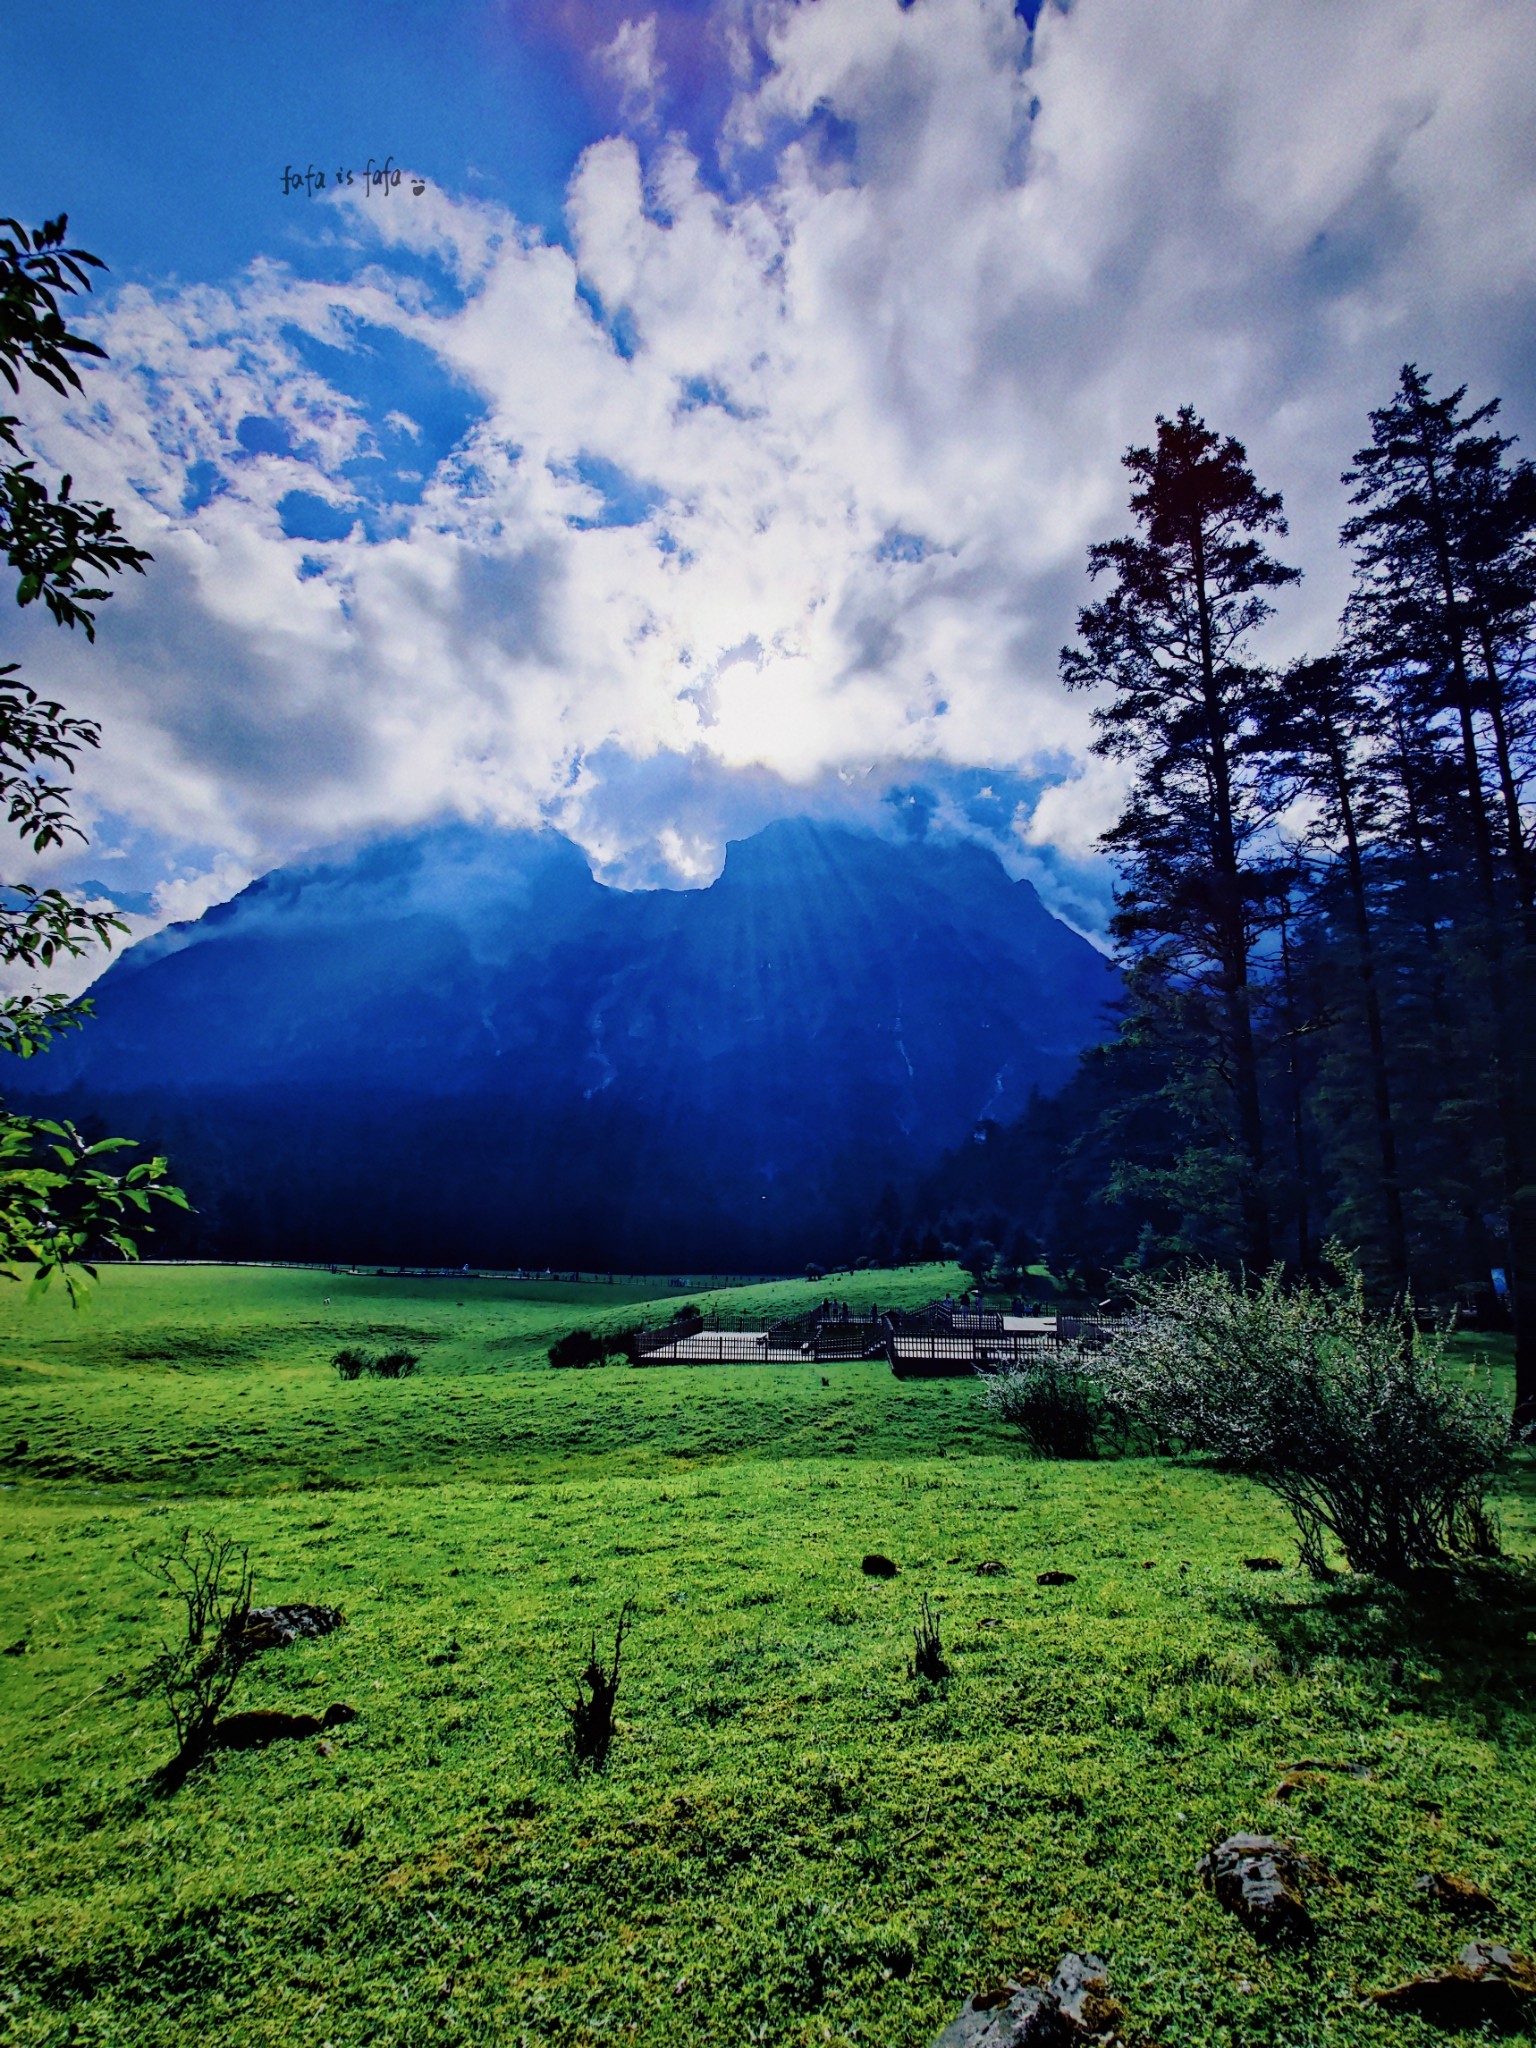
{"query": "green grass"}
pixel 795 1841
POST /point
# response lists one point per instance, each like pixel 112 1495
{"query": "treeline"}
pixel 1326 907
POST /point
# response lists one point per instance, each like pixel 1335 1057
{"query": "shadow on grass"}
pixel 1438 1643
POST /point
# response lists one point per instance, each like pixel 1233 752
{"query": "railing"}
pixel 857 1337
pixel 933 1353
pixel 923 1343
pixel 646 1341
pixel 723 1337
pixel 720 1347
pixel 938 1315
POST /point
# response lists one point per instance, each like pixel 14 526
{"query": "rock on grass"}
pixel 1259 1879
pixel 1073 2007
pixel 1488 1984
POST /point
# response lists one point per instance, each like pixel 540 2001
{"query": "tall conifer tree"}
pixel 1316 733
pixel 1443 605
pixel 1170 643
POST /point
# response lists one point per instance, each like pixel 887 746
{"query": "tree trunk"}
pixel 1306 1250
pixel 1513 1080
pixel 1381 1086
pixel 1234 935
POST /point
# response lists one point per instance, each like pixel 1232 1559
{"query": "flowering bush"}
pixel 1055 1398
pixel 1333 1406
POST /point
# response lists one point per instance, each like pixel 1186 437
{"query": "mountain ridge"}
pixel 458 1044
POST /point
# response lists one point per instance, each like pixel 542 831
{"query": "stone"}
pixel 1459 1894
pixel 1294 1782
pixel 877 1567
pixel 1487 1985
pixel 1259 1879
pixel 1056 1578
pixel 1312 1775
pixel 254 1730
pixel 1079 1987
pixel 1072 2008
pixel 274 1628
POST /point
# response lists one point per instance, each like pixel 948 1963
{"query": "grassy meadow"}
pixel 795 1841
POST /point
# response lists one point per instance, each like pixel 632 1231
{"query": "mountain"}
pixel 459 1046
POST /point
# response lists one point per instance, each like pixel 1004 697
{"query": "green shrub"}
pixel 1055 1398
pixel 388 1365
pixel 1333 1406
pixel 581 1348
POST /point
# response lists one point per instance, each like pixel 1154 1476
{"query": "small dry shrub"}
pixel 591 1713
pixel 928 1657
pixel 195 1671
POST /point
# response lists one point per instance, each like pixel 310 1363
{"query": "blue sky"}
pixel 164 129
pixel 720 432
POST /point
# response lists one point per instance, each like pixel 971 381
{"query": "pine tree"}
pixel 1171 643
pixel 1316 733
pixel 1443 606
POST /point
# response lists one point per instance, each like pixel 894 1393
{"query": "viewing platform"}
pixel 929 1343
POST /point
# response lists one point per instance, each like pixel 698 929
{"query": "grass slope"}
pixel 796 1841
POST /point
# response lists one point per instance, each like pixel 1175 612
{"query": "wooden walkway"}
pixel 932 1345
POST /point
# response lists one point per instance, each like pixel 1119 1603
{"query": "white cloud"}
pixel 182 898
pixel 874 406
pixel 631 60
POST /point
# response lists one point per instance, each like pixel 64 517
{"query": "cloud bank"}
pixel 770 492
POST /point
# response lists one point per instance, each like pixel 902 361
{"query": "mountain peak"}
pixel 458 1044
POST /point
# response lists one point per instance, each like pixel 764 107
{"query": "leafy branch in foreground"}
pixel 53 542
pixel 1315 1395
pixel 60 1201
